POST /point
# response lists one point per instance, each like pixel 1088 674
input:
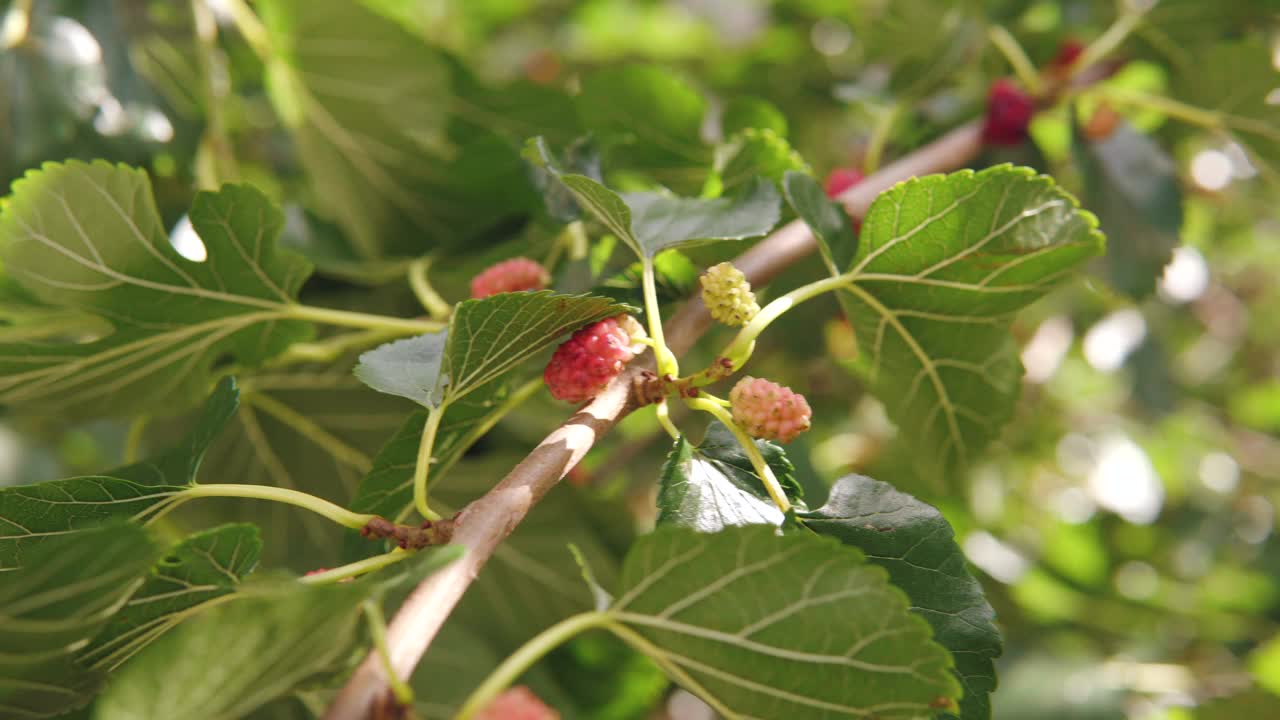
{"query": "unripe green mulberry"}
pixel 728 295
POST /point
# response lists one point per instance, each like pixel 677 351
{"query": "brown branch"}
pixel 487 521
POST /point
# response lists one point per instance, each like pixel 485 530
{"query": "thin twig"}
pixel 487 521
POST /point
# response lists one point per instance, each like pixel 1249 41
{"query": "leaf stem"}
pixel 223 167
pixel 251 27
pixel 1012 50
pixel 422 469
pixel 133 441
pixel 1109 40
pixel 740 348
pixel 435 305
pixel 368 321
pixel 880 137
pixel 308 428
pixel 666 360
pixel 331 349
pixel 378 632
pixel 762 468
pixel 663 410
pixel 319 506
pixel 359 567
pixel 531 652
pixel 1173 108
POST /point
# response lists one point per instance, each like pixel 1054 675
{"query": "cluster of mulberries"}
pixel 589 360
pixel 512 275
pixel 728 295
pixel 768 410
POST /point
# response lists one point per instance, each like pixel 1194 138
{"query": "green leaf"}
pixel 942 263
pixel 914 542
pixel 52 606
pixel 1235 79
pixel 659 222
pixel 648 120
pixel 32 514
pixel 409 368
pixel 714 485
pixel 579 158
pixel 1131 183
pixel 651 222
pixel 263 645
pixel 388 488
pixel 200 569
pixel 755 153
pixel 368 106
pixel 744 112
pixel 88 237
pixel 781 626
pixel 179 464
pixel 827 218
pixel 491 336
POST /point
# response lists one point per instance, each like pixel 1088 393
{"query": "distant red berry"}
pixel 768 410
pixel 1069 51
pixel 589 360
pixel 1009 111
pixel 517 703
pixel 841 179
pixel 512 275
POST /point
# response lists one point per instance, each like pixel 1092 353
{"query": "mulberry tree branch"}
pixel 487 521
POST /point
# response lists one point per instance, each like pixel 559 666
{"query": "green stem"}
pixel 378 631
pixel 879 138
pixel 133 441
pixel 518 663
pixel 422 470
pixel 251 27
pixel 664 419
pixel 739 349
pixel 319 506
pixel 225 168
pixel 758 462
pixel 667 364
pixel 360 567
pixel 1108 41
pixel 435 305
pixel 308 428
pixel 368 321
pixel 1168 106
pixel 1012 50
pixel 332 348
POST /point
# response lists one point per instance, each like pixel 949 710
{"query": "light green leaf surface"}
pixel 772 626
pixel 88 237
pixel 409 368
pixel 52 606
pixel 190 577
pixel 755 153
pixel 713 486
pixel 943 262
pixel 914 542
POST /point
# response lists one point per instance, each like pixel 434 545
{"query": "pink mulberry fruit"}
pixel 768 410
pixel 512 275
pixel 1009 111
pixel 517 703
pixel 589 360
